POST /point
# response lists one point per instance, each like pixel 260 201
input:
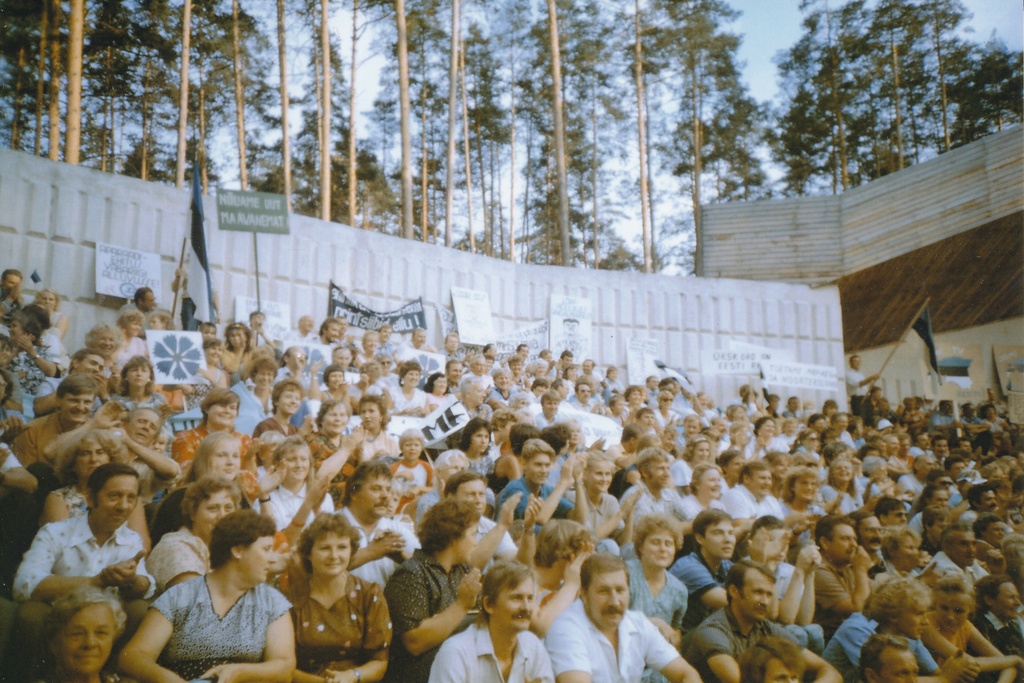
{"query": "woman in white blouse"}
pixel 289 487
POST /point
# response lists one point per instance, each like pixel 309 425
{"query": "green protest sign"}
pixel 252 212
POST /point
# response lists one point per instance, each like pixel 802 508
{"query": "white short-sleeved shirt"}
pixel 69 548
pixel 575 644
pixel 740 503
pixel 506 546
pixel 286 504
pixel 468 657
pixel 379 571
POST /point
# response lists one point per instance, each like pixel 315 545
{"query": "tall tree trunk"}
pixel 655 263
pixel 488 244
pixel 896 100
pixel 405 107
pixel 186 31
pixel 424 200
pixel 73 118
pixel 465 146
pixel 325 122
pixel 236 54
pixel 53 113
pixel 525 257
pixel 565 258
pixel 107 127
pixel 144 162
pixel 203 171
pixel 318 89
pixel 41 77
pixel 698 232
pixel 453 93
pixel 512 162
pixel 286 143
pixel 942 81
pixel 641 121
pixel 353 181
pixel 18 82
pixel 593 176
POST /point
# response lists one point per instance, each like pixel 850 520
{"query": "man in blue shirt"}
pixel 537 459
pixel 704 571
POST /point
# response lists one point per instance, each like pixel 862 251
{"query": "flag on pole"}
pixel 923 327
pixel 199 286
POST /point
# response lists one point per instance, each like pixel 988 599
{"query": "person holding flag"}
pixel 199 304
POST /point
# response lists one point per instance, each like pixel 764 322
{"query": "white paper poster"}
pixel 640 357
pixel 473 312
pixel 571 323
pixel 120 271
pixel 177 357
pixel 276 316
pixel 535 337
pixel 799 375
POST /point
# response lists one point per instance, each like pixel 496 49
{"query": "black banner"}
pixel 403 320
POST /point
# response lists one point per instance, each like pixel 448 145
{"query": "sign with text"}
pixel 1009 362
pixel 802 375
pixel 535 337
pixel 448 418
pixel 473 313
pixel 120 271
pixel 403 320
pixel 571 322
pixel 252 212
pixel 276 315
pixel 763 352
pixel 722 362
pixel 640 357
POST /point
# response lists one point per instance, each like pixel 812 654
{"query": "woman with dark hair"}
pixel 219 409
pixel 33 362
pixel 229 625
pixel 184 554
pixel 210 378
pixel 342 625
pixel 374 414
pixel 430 594
pixel 436 387
pixel 335 386
pixel 237 347
pixel 81 630
pixel 409 399
pixel 136 387
pixel 475 442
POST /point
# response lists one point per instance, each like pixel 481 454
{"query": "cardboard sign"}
pixel 800 375
pixel 120 271
pixel 252 212
pixel 177 357
pixel 1009 362
pixel 571 326
pixel 276 316
pixel 448 418
pixel 640 357
pixel 473 312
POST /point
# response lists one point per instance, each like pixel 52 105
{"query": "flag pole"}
pixel 904 335
pixel 177 279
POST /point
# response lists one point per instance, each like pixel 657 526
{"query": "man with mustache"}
pixel 499 648
pixel 841 583
pixel 716 645
pixel 600 640
pixel 383 542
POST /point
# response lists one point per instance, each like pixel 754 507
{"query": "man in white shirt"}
pixel 493 540
pixel 752 497
pixel 383 542
pixel 855 383
pixel 499 648
pixel 97 549
pixel 957 557
pixel 599 640
pixel 658 493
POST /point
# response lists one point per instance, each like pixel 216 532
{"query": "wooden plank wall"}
pixel 819 239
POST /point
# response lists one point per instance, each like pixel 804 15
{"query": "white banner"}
pixel 535 337
pixel 764 352
pixel 473 312
pixel 802 375
pixel 593 426
pixel 276 316
pixel 571 326
pixel 177 357
pixel 120 271
pixel 640 357
pixel 448 418
pixel 716 362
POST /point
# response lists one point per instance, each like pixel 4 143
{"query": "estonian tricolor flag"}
pixel 199 287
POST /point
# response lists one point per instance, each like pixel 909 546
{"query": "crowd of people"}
pixel 765 541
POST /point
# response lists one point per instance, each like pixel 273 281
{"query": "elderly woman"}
pixel 184 554
pixel 899 608
pixel 901 553
pixel 80 631
pixel 136 387
pixel 130 344
pixel 220 455
pixel 950 633
pixel 105 340
pixel 329 439
pixel 219 409
pixel 342 625
pixel 652 589
pixel 229 625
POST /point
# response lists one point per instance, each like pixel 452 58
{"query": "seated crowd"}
pixel 763 542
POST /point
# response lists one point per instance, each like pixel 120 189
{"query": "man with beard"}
pixel 599 640
pixel 841 583
pixel 499 648
pixel 383 542
pixel 716 645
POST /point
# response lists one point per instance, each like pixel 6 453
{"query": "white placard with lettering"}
pixel 473 312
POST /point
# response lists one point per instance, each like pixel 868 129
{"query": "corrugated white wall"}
pixel 819 239
pixel 52 215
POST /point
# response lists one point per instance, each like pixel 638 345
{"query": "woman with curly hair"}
pixel 130 343
pixel 652 589
pixel 237 347
pixel 840 493
pixel 81 631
